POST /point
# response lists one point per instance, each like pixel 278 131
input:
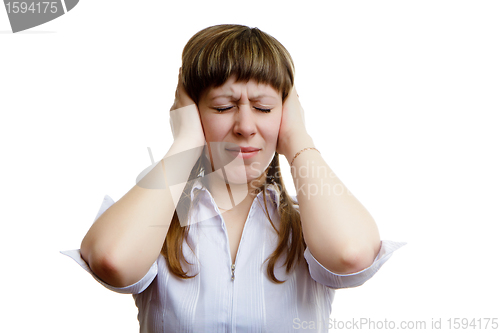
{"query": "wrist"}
pixel 296 144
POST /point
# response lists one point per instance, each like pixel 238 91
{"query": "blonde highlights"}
pixel 212 55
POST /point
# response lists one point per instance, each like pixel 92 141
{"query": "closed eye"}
pixel 263 110
pixel 223 109
pixel 230 107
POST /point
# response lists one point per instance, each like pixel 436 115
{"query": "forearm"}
pixel 127 238
pixel 338 230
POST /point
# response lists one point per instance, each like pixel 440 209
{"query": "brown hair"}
pixel 209 58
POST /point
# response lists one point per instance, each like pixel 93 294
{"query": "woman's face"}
pixel 241 121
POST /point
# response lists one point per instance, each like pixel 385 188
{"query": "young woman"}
pixel 209 239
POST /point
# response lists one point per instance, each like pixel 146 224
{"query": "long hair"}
pixel 209 58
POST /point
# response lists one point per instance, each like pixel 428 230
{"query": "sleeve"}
pixel 135 288
pixel 338 281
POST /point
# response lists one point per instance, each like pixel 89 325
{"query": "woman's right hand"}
pixel 185 119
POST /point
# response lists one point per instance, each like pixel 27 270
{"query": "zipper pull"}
pixel 232 272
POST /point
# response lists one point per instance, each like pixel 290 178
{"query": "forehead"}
pixel 234 89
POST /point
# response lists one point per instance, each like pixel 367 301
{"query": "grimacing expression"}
pixel 241 121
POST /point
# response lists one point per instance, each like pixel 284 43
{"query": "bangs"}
pixel 216 53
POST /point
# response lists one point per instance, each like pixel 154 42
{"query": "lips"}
pixel 245 149
pixel 244 152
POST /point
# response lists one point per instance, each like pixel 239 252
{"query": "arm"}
pixel 127 238
pixel 339 232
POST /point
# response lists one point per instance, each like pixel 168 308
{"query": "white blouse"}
pixel 222 298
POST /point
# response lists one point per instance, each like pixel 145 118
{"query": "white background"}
pixel 401 98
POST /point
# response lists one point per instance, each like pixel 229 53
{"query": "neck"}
pixel 229 196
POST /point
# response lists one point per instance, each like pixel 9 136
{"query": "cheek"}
pixel 213 128
pixel 272 128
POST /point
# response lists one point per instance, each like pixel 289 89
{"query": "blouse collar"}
pixel 198 189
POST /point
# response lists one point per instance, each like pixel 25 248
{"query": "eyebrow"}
pixel 229 95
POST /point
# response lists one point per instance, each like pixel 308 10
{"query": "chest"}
pixel 235 224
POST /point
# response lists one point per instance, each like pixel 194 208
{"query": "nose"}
pixel 244 122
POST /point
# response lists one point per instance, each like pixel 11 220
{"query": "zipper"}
pixel 233 269
pixel 233 266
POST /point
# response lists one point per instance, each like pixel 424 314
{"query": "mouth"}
pixel 244 152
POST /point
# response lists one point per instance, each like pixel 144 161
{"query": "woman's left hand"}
pixel 292 134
